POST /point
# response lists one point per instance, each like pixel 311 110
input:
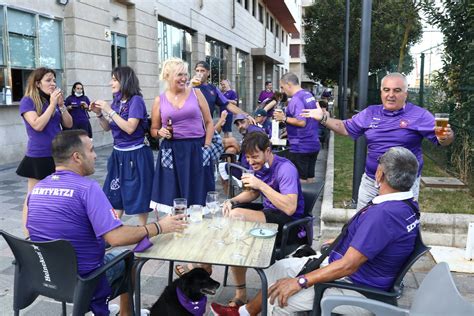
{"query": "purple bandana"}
pixel 197 308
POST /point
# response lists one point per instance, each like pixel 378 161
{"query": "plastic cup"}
pixel 441 123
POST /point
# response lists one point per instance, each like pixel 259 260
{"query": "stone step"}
pixel 449 183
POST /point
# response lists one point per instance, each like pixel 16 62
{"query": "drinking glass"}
pixel 244 186
pixel 212 203
pixel 180 206
pixel 441 122
pixel 195 213
pixel 237 231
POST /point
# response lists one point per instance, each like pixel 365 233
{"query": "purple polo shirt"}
pixel 39 142
pixel 302 139
pixel 385 233
pixel 265 96
pixel 82 215
pixel 132 108
pixel 282 176
pixel 213 97
pixel 77 112
pixel 231 95
pixel 384 129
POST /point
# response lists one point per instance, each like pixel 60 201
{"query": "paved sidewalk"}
pixel 154 273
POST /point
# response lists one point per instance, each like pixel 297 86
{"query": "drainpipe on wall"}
pixel 233 13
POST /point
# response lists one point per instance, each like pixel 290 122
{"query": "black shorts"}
pixel 274 217
pixel 305 163
pixel 36 168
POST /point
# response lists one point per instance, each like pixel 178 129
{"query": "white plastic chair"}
pixel 437 295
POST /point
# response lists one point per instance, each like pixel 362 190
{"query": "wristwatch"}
pixel 302 281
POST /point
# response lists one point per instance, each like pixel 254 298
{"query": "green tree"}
pixel 395 27
pixel 455 80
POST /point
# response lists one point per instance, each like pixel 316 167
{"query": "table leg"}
pixel 263 278
pixel 138 269
pixel 170 272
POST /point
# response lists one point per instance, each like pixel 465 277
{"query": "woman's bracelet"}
pixel 147 232
pixel 111 114
pixel 62 109
pixel 158 228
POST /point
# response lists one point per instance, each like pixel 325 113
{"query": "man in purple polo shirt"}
pixel 276 179
pixel 393 123
pixel 372 250
pixel 302 132
pixel 267 94
pixel 83 215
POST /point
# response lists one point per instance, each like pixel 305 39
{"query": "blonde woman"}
pixel 184 164
pixel 43 112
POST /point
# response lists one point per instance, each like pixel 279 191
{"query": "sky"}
pixel 431 37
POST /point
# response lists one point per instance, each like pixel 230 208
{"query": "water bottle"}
pixel 8 95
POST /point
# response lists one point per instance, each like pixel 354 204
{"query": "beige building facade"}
pixel 245 41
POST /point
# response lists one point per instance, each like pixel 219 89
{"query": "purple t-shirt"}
pixel 302 139
pixel 213 97
pixel 132 108
pixel 187 122
pixel 385 233
pixel 265 96
pixel 82 215
pixel 282 176
pixel 77 112
pixel 384 129
pixel 39 143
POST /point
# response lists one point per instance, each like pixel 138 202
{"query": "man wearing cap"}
pixel 213 95
pixel 262 121
pixel 232 146
pixel 302 132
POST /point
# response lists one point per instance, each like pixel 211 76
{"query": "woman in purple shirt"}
pixel 130 166
pixel 43 112
pixel 184 164
pixel 78 105
pixel 230 95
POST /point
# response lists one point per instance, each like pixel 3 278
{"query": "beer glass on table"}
pixel 237 231
pixel 441 123
pixel 212 204
pixel 180 206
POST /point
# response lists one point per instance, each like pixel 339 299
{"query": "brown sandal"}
pixel 181 270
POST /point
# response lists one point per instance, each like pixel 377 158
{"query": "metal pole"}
pixel 360 144
pixel 346 61
pixel 340 101
pixel 422 79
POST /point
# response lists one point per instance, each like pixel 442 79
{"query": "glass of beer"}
pixel 245 187
pixel 196 81
pixel 180 206
pixel 441 122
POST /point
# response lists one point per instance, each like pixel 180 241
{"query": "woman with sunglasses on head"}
pixel 43 112
pixel 130 166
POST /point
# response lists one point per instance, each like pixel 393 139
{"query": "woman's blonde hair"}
pixel 32 89
pixel 172 66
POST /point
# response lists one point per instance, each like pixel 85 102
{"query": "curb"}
pixel 448 230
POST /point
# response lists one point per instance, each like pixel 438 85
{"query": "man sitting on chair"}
pixel 277 180
pixel 371 250
pixel 68 205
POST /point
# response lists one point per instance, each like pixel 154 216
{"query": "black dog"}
pixel 191 288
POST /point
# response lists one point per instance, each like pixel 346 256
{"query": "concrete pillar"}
pixel 199 48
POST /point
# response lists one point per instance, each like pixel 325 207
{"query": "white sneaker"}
pixel 144 312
